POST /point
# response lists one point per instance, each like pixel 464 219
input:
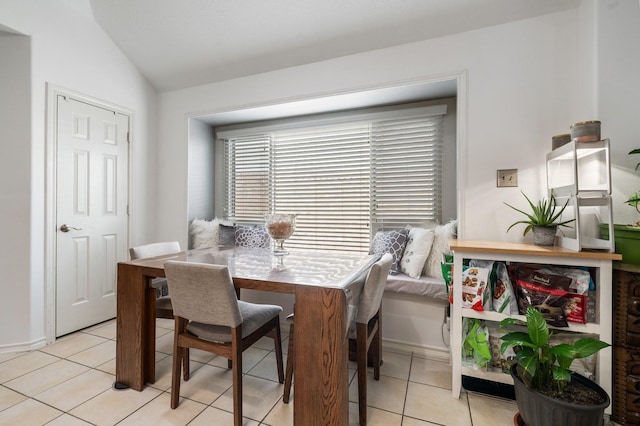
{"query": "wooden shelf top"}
pixel 528 249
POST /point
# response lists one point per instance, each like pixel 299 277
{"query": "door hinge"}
pixel 127 209
pixel 128 137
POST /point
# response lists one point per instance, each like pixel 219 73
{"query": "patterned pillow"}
pixel 226 235
pixel 252 237
pixel 390 242
pixel 416 251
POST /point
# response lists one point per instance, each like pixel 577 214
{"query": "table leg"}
pixel 321 392
pixel 135 329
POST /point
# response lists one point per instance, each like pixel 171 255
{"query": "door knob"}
pixel 65 228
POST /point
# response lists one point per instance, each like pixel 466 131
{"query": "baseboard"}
pixel 24 347
pixel 429 352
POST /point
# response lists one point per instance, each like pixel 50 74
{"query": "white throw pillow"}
pixel 443 233
pixel 416 251
pixel 205 232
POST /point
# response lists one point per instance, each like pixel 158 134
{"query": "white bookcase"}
pixel 526 253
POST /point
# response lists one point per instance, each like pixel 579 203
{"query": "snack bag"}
pixel 447 273
pixel 545 292
pixel 500 361
pixel 475 282
pixel 575 307
pixel 504 298
pixel 476 342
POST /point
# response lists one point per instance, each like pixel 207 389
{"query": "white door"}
pixel 91 211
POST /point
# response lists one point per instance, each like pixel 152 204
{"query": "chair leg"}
pixel 178 354
pixel 361 349
pixel 376 346
pixel 236 358
pixel 277 340
pixel 185 365
pixel 289 374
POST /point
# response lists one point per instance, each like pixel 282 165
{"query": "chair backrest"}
pixel 203 293
pixel 154 249
pixel 373 289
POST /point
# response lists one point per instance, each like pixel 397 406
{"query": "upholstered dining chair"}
pixel 164 309
pixel 208 316
pixel 368 336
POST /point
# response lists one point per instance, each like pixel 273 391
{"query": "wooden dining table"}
pixel 323 283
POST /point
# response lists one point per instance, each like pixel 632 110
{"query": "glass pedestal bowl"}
pixel 280 227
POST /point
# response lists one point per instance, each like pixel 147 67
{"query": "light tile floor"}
pixel 70 383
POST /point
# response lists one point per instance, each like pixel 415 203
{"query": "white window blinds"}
pixel 406 170
pixel 340 179
pixel 247 178
pixel 322 174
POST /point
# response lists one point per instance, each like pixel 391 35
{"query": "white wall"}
pixel 201 171
pixel 67 49
pixel 522 81
pixel 618 68
pixel 15 182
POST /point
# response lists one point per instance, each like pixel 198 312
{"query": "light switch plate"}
pixel 507 178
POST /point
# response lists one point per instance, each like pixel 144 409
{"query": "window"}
pixel 344 176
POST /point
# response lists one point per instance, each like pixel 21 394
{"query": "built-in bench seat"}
pixel 433 289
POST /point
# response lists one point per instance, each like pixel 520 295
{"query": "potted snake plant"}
pixel 543 220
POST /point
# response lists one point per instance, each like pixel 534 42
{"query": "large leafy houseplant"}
pixel 540 364
pixel 541 374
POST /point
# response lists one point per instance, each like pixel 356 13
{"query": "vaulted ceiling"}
pixel 184 43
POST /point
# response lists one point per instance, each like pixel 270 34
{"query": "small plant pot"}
pixel 544 235
pixel 627 241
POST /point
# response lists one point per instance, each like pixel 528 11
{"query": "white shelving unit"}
pixel 526 253
pixel 580 173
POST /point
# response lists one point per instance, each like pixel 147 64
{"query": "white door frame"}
pixel 50 228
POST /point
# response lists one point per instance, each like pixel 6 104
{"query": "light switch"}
pixel 507 177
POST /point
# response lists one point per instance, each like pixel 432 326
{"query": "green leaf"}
pixel 633 200
pixel 561 374
pixel 588 346
pixel 564 354
pixel 510 321
pixel 516 338
pixel 564 350
pixel 537 327
pixel 528 366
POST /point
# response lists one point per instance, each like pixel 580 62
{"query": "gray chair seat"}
pixel 253 317
pixel 164 303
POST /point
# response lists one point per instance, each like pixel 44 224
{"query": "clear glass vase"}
pixel 280 227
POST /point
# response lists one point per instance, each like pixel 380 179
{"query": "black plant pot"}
pixel 537 409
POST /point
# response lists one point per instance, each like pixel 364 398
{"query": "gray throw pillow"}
pixel 226 235
pixel 392 242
